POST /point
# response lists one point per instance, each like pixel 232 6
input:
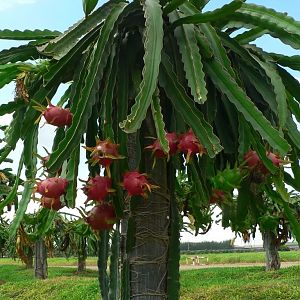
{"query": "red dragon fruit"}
pixel 252 159
pixel 98 188
pixel 136 184
pixel 218 196
pixel 256 165
pixel 275 159
pixel 157 149
pixel 101 217
pixel 54 115
pixel 190 145
pixel 52 187
pixel 103 161
pixel 104 153
pixel 52 203
pixel 58 116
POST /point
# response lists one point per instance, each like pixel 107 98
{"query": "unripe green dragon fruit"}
pixel 228 179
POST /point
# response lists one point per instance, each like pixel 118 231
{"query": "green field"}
pixel 218 283
pixel 19 283
pixel 244 257
pixel 213 258
pixel 248 283
pixel 206 284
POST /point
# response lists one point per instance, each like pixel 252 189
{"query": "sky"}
pixel 61 14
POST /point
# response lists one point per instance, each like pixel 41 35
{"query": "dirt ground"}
pixel 203 266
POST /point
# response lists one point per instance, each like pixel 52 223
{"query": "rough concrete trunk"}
pixel 40 262
pixel 149 256
pixel 271 248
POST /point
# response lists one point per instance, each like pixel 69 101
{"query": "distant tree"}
pixel 208 246
pixel 4 236
pixel 75 238
pixel 266 215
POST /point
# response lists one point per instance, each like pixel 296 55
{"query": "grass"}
pixel 248 283
pixel 213 258
pixel 62 284
pixel 245 257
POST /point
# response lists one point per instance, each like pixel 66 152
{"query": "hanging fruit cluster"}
pixel 102 216
pixel 252 168
pixel 54 188
pixel 98 189
pixel 186 143
pixel 257 169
